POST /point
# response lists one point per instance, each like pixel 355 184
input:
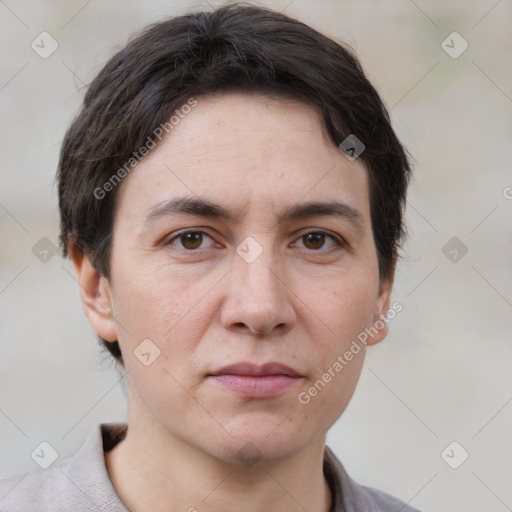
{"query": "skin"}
pixel 202 305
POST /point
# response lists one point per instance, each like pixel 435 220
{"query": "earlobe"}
pixel 95 295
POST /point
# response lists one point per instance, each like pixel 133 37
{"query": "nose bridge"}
pixel 256 267
pixel 258 297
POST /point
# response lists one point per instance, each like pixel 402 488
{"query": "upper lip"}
pixel 245 368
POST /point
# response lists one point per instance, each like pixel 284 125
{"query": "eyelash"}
pixel 337 240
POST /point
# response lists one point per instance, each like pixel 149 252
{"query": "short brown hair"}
pixel 236 47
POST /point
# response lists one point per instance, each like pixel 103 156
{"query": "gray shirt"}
pixel 81 483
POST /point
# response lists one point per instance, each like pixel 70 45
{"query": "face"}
pixel 217 259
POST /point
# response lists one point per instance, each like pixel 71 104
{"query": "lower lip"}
pixel 256 387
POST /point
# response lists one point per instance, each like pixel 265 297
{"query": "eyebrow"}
pixel 205 208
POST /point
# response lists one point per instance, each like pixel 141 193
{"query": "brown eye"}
pixel 190 240
pixel 316 240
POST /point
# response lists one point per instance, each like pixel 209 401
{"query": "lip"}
pixel 245 368
pixel 256 381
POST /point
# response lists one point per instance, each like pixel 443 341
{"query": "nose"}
pixel 259 298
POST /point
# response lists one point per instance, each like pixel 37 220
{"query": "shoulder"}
pixel 39 489
pixel 374 500
pixel 349 496
pixel 79 483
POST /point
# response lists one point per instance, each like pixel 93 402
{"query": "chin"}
pixel 269 441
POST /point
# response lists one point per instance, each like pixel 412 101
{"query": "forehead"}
pixel 246 150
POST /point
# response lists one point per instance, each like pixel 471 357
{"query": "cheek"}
pixel 326 394
pixel 341 311
pixel 173 311
pixel 167 311
pixel 345 306
pixel 149 299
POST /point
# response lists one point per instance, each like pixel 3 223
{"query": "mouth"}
pixel 254 381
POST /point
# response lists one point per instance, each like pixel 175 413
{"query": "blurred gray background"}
pixel 444 373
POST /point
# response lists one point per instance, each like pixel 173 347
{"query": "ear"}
pixel 95 294
pixel 378 330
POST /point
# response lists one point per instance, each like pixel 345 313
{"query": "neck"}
pixel 152 469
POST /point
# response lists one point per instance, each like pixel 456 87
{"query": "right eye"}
pixel 189 240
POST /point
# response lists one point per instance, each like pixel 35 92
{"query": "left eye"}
pixel 315 240
pixel 191 240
